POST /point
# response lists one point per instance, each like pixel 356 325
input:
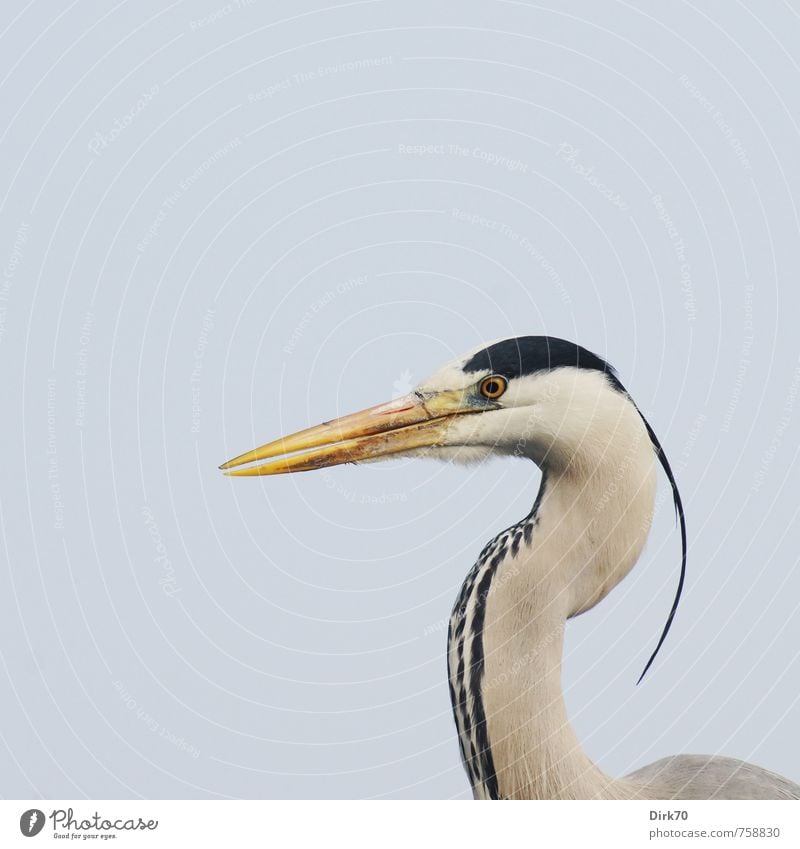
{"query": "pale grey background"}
pixel 213 207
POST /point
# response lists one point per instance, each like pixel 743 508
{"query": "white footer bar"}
pixel 383 825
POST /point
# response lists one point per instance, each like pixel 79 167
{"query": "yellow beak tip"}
pixel 238 473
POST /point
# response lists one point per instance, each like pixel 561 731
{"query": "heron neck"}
pixel 590 528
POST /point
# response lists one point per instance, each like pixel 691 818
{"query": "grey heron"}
pixel 555 403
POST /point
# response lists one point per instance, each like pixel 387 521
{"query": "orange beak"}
pixel 413 421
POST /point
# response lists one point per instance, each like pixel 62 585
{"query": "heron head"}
pixel 530 396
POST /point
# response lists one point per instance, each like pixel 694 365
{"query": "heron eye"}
pixel 493 386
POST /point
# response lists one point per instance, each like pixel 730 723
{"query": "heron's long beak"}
pixel 412 421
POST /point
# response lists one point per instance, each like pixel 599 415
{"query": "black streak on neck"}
pixel 485 772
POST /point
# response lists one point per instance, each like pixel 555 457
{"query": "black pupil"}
pixel 492 387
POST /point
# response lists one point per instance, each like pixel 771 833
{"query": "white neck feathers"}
pixel 593 519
